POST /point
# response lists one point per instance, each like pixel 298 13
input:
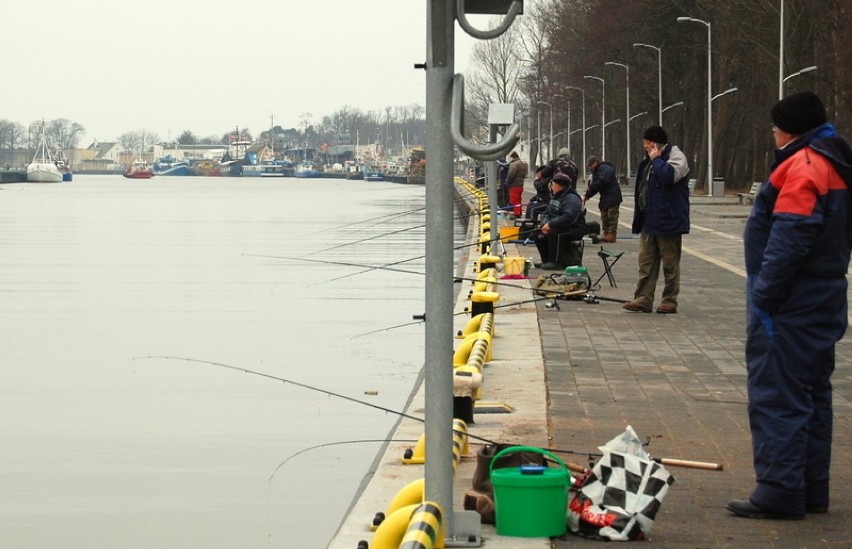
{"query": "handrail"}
pixel 479 152
pixel 514 9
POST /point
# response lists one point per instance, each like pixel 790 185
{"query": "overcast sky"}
pixel 208 66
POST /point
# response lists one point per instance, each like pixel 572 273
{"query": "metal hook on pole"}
pixel 515 8
pixel 479 152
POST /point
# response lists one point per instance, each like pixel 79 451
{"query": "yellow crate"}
pixel 509 233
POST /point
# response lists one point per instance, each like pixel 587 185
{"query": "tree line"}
pixel 393 128
pixel 542 63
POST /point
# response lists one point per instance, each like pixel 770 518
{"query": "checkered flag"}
pixel 619 498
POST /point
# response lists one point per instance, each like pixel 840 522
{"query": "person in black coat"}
pixel 563 221
pixel 605 183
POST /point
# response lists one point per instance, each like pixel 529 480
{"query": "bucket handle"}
pixel 541 451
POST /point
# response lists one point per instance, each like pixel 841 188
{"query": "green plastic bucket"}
pixel 530 501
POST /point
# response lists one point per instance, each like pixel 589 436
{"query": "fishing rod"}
pixel 384 217
pixel 367 239
pixel 327 262
pixel 338 443
pixel 585 295
pixel 681 463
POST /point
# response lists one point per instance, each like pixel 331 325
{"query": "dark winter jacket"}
pixel 667 210
pixel 565 214
pixel 800 224
pixel 605 183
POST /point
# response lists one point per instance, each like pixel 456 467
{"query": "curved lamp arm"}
pixel 479 152
pixel 514 9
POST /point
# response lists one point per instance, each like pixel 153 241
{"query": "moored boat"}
pixel 139 169
pixel 307 169
pixel 169 165
pixel 372 173
pixel 43 168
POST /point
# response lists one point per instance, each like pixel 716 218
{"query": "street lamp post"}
pixel 568 129
pixel 603 113
pixel 659 78
pixel 549 141
pixel 583 99
pixel 627 110
pixel 800 72
pixel 781 55
pixel 709 100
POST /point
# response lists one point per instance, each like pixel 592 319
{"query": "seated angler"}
pixel 563 222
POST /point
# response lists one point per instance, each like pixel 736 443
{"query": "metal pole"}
pixel 781 56
pixel 603 113
pixel 583 99
pixel 709 100
pixel 439 258
pixel 627 109
pixel 660 84
pixel 659 79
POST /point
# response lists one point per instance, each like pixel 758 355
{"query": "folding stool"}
pixel 609 260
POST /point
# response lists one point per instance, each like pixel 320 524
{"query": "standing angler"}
pixel 797 245
pixel 660 218
pixel 605 183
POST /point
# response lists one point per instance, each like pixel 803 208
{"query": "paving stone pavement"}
pixel 680 380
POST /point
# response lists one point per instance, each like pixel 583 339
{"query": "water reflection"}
pixel 104 449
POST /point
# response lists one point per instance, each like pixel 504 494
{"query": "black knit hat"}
pixel 562 179
pixel 799 113
pixel 656 134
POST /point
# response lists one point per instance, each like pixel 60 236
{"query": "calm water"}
pixel 103 449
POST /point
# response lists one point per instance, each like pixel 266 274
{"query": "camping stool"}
pixel 609 260
pixel 569 252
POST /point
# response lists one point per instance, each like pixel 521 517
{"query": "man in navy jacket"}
pixel 660 218
pixel 797 245
pixel 605 183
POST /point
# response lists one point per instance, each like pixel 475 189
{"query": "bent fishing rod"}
pixel 680 463
pixel 421 319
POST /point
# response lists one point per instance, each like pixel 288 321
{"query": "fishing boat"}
pixel 235 156
pixel 307 169
pixel 139 169
pixel 169 165
pixel 372 173
pixel 43 168
pixel 61 161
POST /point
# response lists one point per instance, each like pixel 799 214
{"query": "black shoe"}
pixel 747 509
pixel 816 509
pixel 550 266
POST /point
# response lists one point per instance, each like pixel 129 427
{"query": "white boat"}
pixel 43 168
pixel 307 169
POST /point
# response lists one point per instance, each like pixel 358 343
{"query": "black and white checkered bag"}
pixel 619 498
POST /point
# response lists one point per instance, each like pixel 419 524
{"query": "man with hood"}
pixel 660 218
pixel 797 242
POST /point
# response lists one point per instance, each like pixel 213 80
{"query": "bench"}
pixel 748 198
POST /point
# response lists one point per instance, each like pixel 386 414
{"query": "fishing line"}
pixel 327 262
pixel 365 239
pixel 384 216
pixel 589 455
pixel 321 390
pixel 317 446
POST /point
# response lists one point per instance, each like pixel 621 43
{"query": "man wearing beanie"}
pixel 797 244
pixel 605 183
pixel 660 218
pixel 563 222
